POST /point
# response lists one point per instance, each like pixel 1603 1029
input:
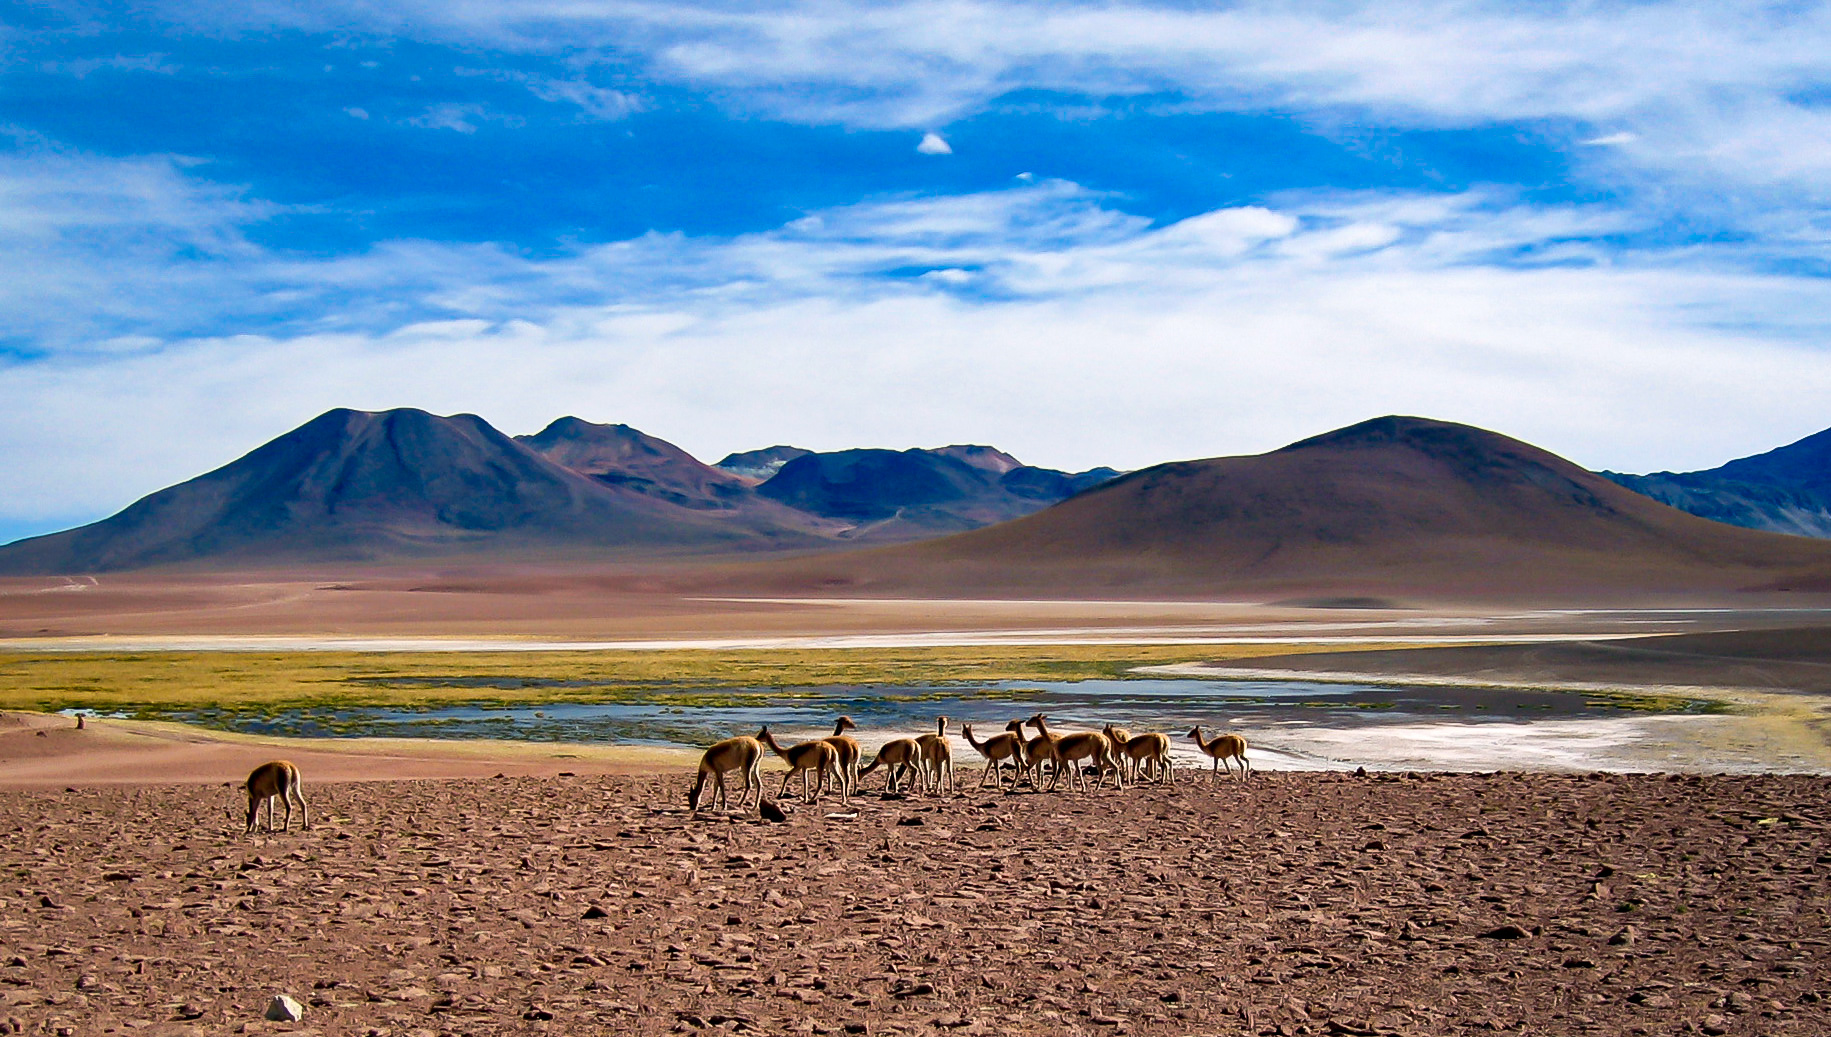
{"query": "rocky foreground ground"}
pixel 1303 903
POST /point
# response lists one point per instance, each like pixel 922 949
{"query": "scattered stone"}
pixel 457 907
pixel 1505 932
pixel 283 1009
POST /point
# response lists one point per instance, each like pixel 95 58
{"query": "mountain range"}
pixel 1786 490
pixel 1392 507
pixel 1397 506
pixel 361 486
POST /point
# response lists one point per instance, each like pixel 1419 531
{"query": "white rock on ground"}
pixel 285 1010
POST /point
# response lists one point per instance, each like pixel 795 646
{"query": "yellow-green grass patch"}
pixel 160 682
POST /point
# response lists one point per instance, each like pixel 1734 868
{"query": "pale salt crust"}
pixel 1639 744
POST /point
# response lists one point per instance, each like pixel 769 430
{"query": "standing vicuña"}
pixel 817 758
pixel 276 780
pixel 733 754
pixel 937 759
pixel 850 755
pixel 1224 748
pixel 1069 750
pixel 899 756
pixel 997 749
pixel 1144 755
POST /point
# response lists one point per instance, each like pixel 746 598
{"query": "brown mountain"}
pixel 618 455
pixel 1396 506
pixel 353 485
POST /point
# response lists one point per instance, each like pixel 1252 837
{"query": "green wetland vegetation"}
pixel 692 697
pixel 162 682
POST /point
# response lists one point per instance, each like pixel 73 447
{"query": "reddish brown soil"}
pixel 1304 903
pixel 608 602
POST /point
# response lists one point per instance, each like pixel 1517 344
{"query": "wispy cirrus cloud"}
pixel 1693 82
pixel 1040 317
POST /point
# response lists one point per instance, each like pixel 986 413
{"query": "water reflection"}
pixel 686 716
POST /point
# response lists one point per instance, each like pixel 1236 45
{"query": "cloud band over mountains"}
pixel 1160 232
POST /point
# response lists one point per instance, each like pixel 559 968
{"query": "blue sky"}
pixel 1088 234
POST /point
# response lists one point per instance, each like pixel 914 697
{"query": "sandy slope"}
pixel 40 751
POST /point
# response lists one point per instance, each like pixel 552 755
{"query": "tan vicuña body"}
pixel 899 755
pixel 1038 751
pixel 1069 750
pixel 850 755
pixel 1146 753
pixel 997 749
pixel 1223 749
pixel 278 779
pixel 1116 737
pixel 733 754
pixel 818 757
pixel 937 759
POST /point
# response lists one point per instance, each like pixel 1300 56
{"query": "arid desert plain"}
pixel 1657 867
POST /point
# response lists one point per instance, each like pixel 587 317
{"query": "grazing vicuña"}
pixel 277 779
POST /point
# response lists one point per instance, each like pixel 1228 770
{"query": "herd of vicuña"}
pixel 927 762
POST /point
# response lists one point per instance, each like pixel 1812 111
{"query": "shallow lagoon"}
pixel 1280 716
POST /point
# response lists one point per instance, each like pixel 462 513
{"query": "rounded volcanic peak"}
pixel 618 455
pixel 1422 433
pixel 1388 481
pixel 455 470
pixel 1463 456
pixel 585 446
pixel 1464 446
pixel 1392 506
pixel 367 485
pixel 988 458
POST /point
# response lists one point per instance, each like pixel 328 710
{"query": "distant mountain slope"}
pixel 379 486
pixel 1786 490
pixel 909 494
pixel 758 465
pixel 351 485
pixel 1395 506
pixel 618 455
pixel 990 459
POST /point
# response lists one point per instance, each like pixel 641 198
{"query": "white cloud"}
pixel 1037 318
pixel 1722 103
pixel 933 144
pixel 89 247
pixel 594 101
pixel 462 118
pixel 82 68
